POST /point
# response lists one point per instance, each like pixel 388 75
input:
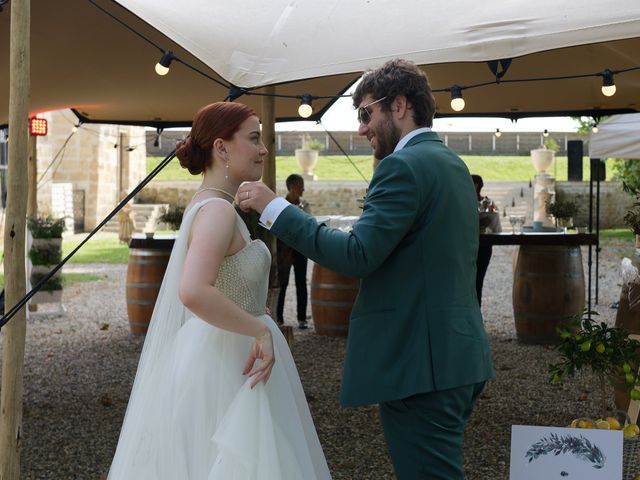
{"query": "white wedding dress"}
pixel 192 414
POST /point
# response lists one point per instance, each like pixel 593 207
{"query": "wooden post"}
pixel 32 199
pixel 269 138
pixel 269 178
pixel 32 173
pixel 14 242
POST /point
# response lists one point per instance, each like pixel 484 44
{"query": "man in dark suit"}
pixel 416 344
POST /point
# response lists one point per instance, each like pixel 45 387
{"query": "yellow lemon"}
pixel 574 423
pixel 635 428
pixel 600 348
pixel 602 424
pixel 614 424
pixel 629 431
pixel 585 423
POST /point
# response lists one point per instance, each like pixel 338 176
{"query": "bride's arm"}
pixel 212 238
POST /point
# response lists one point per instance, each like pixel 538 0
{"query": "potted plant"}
pixel 172 217
pixel 45 253
pixel 307 156
pixel 542 158
pixel 607 351
pixel 562 211
pixel 632 220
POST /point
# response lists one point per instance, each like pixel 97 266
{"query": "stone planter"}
pixel 43 296
pixel 307 159
pixel 542 159
pixel 38 271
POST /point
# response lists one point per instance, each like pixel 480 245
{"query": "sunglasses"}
pixel 364 115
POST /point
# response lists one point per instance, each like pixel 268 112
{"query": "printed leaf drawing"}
pixel 561 444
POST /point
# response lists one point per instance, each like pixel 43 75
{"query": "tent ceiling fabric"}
pixel 84 60
pixel 618 137
pixel 296 39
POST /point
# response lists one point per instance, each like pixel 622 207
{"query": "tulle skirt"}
pixel 206 423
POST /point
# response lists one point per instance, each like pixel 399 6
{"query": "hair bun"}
pixel 191 156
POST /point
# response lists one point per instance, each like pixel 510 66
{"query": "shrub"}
pixel 45 227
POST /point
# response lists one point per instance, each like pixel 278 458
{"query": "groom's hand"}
pixel 254 196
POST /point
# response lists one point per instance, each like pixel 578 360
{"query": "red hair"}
pixel 217 120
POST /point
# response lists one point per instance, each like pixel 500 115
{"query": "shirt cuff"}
pixel 271 212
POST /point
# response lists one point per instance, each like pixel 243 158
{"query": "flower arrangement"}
pixel 173 217
pixel 607 351
pixel 562 208
pixel 45 227
pixel 551 144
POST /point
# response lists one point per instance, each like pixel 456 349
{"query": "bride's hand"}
pixel 262 349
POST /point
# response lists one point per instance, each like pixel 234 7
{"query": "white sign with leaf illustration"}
pixel 565 453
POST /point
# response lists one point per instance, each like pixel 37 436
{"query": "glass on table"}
pixel 513 220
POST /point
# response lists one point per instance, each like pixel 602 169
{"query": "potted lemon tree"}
pixel 607 351
pixel 45 253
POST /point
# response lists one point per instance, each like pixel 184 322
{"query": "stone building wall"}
pixel 324 197
pixel 98 161
pixel 340 198
pixel 613 202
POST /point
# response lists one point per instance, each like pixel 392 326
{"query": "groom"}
pixel 416 344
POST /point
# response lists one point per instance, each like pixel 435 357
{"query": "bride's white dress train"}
pixel 192 414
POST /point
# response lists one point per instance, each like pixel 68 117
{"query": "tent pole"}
pixel 599 163
pixel 14 241
pixel 590 260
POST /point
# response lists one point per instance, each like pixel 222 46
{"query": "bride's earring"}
pixel 226 172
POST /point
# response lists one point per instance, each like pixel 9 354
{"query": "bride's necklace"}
pixel 214 189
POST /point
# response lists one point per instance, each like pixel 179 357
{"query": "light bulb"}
pixel 305 110
pixel 545 133
pixel 594 129
pixel 608 84
pixel 608 90
pixel 162 67
pixel 498 133
pixel 457 102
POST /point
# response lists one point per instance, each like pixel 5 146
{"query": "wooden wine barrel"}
pixel 148 258
pixel 629 320
pixel 332 297
pixel 548 291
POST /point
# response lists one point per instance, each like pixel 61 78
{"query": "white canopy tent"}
pixel 618 137
pixel 251 43
pixel 83 58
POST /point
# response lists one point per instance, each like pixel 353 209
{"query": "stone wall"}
pixel 324 197
pixel 99 161
pixel 463 143
pixel 613 202
pixel 340 198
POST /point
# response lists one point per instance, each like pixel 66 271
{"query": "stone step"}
pixel 146 217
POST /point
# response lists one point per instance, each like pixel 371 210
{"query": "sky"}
pixel 342 117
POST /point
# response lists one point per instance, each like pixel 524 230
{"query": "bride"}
pixel 217 395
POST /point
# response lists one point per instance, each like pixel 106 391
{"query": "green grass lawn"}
pixel 97 250
pixel 338 167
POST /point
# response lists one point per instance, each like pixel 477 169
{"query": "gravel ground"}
pixel 79 369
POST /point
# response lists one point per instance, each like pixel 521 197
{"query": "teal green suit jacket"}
pixel 415 326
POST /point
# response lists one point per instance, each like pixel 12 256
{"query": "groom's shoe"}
pixel 302 325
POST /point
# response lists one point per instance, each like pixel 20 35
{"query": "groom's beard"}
pixel 387 137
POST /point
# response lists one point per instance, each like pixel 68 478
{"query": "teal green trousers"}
pixel 425 432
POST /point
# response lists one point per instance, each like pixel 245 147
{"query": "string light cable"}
pixel 343 151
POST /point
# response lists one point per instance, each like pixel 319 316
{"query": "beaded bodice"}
pixel 244 276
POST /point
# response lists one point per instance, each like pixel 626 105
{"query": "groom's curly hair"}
pixel 399 77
